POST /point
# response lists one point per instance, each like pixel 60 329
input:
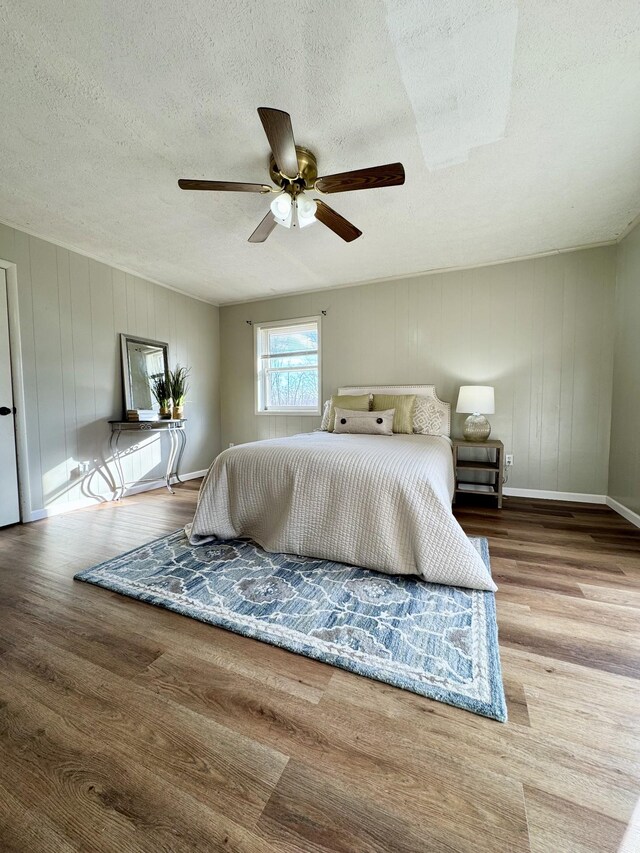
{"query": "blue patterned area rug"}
pixel 438 641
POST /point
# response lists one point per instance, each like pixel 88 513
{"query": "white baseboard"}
pixel 541 494
pixel 624 511
pixel 60 509
pixel 157 484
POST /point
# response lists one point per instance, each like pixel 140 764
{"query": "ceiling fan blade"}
pixel 223 186
pixel 338 224
pixel 362 179
pixel 264 229
pixel 277 126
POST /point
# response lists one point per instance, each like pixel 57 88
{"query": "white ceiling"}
pixel 518 125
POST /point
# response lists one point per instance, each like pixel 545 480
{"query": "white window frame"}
pixel 260 373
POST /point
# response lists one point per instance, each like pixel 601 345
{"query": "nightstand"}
pixel 492 465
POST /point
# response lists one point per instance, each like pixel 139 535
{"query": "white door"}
pixel 9 506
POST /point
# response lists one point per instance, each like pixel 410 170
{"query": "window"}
pixel 288 366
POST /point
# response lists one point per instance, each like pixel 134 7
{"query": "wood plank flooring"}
pixel 124 727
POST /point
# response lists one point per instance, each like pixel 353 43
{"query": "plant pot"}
pixel 165 413
pixel 178 412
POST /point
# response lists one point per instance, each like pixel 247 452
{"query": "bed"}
pixel 380 502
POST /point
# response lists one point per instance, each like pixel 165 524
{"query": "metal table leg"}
pixel 115 454
pixel 172 455
pixel 182 435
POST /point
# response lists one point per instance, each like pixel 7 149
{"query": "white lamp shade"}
pixel 478 399
pixel 305 210
pixel 281 206
pixel 306 207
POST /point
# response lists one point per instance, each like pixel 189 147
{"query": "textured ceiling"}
pixel 518 125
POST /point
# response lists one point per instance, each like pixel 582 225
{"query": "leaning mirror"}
pixel 143 361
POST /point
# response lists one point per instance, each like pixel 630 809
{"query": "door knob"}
pixel 4 410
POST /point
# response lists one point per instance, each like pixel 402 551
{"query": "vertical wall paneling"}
pixel 551 313
pixel 540 331
pixel 105 358
pixel 72 310
pixel 22 258
pixel 48 363
pixel 7 242
pixel 82 366
pixel 624 460
pixel 571 292
pixel 68 400
pixel 605 367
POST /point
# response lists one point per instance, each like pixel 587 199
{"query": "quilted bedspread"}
pixel 381 502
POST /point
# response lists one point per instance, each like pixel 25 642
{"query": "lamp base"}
pixel 476 428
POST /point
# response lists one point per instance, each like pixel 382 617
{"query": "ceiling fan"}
pixel 294 170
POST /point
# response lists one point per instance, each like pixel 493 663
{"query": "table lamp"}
pixel 480 401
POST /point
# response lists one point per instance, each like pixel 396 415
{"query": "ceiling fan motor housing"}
pixel 307 170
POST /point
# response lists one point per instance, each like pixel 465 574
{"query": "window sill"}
pixel 290 413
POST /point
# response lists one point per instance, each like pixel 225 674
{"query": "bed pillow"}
pixel 403 404
pixel 356 403
pixel 326 414
pixel 427 417
pixel 368 423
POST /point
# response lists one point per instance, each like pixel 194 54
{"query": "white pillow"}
pixel 368 423
pixel 326 416
pixel 427 417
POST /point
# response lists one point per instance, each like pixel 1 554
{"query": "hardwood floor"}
pixel 124 727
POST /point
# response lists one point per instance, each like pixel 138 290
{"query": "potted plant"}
pixel 178 385
pixel 162 393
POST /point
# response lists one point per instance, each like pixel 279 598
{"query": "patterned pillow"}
pixel 326 415
pixel 368 423
pixel 403 404
pixel 355 402
pixel 428 419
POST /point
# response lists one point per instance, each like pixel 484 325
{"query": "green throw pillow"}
pixel 403 404
pixel 357 403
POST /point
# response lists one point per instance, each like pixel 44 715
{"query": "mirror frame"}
pixel 126 368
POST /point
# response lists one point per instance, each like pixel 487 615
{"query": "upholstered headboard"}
pixel 443 409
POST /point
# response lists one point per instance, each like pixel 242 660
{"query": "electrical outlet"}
pixel 508 460
pixel 231 444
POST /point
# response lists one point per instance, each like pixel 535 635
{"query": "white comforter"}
pixel 382 502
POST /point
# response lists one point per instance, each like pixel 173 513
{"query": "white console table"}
pixel 178 441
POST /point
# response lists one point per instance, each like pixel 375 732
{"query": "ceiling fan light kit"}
pixel 294 212
pixel 294 170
